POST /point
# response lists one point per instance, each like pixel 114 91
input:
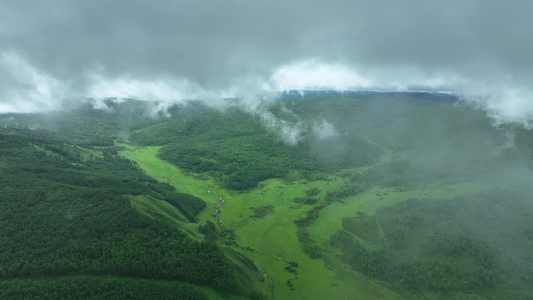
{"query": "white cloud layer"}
pixel 57 49
pixel 324 130
pixel 503 104
pixel 313 74
pixel 25 88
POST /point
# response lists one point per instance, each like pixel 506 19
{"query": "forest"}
pixel 385 195
pixel 65 214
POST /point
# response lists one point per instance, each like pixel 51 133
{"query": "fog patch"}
pixel 324 130
pixel 503 104
pixel 315 74
pixel 24 88
pixel 100 104
pixel 291 132
pixel 508 143
pixel 158 90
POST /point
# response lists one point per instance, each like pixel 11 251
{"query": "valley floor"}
pixel 261 226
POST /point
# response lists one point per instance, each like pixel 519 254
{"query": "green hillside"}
pixel 384 196
pixel 67 214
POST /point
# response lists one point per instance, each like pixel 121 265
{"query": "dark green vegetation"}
pixel 64 213
pixel 230 146
pixel 429 246
pixel 414 193
pixel 236 149
pixel 93 287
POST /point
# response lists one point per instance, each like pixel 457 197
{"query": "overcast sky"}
pixel 51 50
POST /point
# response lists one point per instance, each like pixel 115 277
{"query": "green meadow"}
pixel 303 226
pixel 269 240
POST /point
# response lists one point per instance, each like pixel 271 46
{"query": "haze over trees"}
pixel 416 194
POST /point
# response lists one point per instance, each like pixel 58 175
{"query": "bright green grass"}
pixel 275 243
pixel 273 238
pixel 165 172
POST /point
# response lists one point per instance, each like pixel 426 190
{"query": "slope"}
pixel 65 215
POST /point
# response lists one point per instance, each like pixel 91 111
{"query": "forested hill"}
pixel 65 214
pixel 240 150
pixel 369 196
pixel 91 123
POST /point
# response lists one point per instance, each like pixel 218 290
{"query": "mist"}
pixel 177 51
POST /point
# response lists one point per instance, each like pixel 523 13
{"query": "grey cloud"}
pixel 216 45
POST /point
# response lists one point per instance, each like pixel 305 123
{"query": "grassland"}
pixel 270 241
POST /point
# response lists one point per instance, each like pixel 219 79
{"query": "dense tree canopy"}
pixel 63 214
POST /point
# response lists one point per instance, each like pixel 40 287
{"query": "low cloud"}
pixel 59 50
pixel 314 74
pixel 290 132
pixel 24 88
pixel 324 130
pixel 503 104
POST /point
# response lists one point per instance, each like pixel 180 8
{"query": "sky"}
pixel 52 51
